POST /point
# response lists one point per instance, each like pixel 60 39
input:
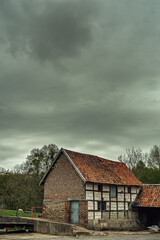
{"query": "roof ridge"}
pixel 117 161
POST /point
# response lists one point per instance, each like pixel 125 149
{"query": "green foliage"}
pixel 151 176
pixel 39 160
pixel 20 188
pixel 146 167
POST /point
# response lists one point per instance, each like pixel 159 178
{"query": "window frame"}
pixel 113 191
pixel 129 189
pixel 99 187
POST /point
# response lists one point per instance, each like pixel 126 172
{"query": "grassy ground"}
pixel 19 214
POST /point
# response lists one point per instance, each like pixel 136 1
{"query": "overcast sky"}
pixel 81 74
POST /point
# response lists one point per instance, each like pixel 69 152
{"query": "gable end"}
pixel 53 163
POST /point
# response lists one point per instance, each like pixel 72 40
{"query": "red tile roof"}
pixel 149 196
pixel 100 170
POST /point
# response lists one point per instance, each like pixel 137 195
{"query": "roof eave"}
pixel 62 150
pixel 74 166
pixel 46 174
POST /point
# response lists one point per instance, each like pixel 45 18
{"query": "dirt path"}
pixel 110 236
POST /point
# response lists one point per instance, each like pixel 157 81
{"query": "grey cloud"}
pixel 6 151
pixel 98 92
pixel 47 30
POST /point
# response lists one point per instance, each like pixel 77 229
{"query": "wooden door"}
pixel 74 211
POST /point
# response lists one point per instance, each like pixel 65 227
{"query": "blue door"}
pixel 74 212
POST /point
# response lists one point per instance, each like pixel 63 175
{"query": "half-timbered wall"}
pixel 109 201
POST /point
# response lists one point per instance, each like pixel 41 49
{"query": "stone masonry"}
pixel 60 211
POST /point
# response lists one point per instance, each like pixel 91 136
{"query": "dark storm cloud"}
pixel 47 30
pixel 98 91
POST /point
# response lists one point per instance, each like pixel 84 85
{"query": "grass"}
pixel 20 214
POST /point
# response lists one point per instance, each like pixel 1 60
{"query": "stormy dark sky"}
pixel 82 74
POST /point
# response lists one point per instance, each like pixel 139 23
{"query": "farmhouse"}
pixel 91 191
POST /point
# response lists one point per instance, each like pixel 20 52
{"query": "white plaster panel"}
pixel 127 197
pixel 97 215
pixel 95 186
pixel 90 205
pixel 97 196
pixel 89 186
pixel 107 205
pixel 90 215
pixel 105 187
pixel 120 206
pixel 138 189
pixel 106 196
pixel 120 196
pixel 120 189
pixel 133 197
pixel 133 189
pixel 113 206
pixel 126 206
pixel 89 195
pixel 105 215
pixel 96 205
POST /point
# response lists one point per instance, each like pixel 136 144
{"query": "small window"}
pixel 129 189
pixel 113 191
pixel 101 206
pixel 99 187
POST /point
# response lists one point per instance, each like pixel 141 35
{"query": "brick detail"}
pixel 63 182
pixel 83 213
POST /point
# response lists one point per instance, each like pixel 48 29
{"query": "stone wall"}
pixel 63 182
pixel 131 223
pixel 59 211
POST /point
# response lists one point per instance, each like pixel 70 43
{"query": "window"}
pixel 129 189
pixel 99 187
pixel 113 191
pixel 101 206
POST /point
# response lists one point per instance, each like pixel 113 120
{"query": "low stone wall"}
pixel 129 223
pixel 43 226
pixel 118 225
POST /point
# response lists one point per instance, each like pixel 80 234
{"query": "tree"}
pixel 39 160
pixel 26 177
pixel 144 166
pixel 154 157
pixel 139 170
pixel 133 157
